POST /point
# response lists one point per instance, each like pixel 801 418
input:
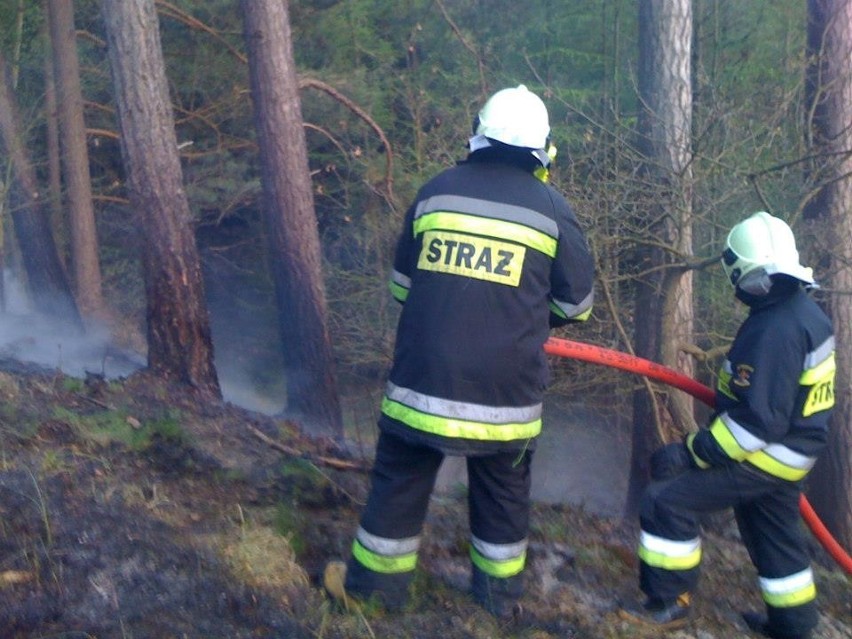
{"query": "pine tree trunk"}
pixel 664 309
pixel 296 258
pixel 46 277
pixel 75 156
pixel 54 162
pixel 830 95
pixel 179 340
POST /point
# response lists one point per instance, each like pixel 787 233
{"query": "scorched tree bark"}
pixel 179 340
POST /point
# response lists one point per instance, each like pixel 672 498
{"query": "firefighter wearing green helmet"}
pixel 490 257
pixel 774 396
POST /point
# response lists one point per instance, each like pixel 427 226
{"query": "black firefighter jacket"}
pixel 776 388
pixel 489 258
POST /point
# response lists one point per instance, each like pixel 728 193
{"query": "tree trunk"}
pixel 75 156
pixel 830 98
pixel 46 278
pixel 54 162
pixel 179 340
pixel 664 312
pixel 296 257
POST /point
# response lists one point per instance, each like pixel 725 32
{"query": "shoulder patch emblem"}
pixel 743 373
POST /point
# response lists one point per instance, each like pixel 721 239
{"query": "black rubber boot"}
pixel 500 597
pixel 759 623
pixel 659 613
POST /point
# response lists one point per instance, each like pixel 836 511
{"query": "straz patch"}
pixel 471 256
pixel 820 396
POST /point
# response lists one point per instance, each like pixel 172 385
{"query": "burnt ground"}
pixel 130 510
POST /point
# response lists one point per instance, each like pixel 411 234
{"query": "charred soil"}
pixel 130 509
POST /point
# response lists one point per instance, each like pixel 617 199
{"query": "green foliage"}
pixel 117 427
pixel 419 70
pixel 72 384
pixel 288 521
pixel 21 25
pixel 15 424
pixel 303 482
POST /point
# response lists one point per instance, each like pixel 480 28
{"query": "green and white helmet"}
pixel 760 246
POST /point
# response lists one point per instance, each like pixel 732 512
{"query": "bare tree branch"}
pixel 349 104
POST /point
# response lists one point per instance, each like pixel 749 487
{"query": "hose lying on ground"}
pixel 630 363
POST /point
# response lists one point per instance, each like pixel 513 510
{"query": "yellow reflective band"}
pixel 502 569
pixel 400 293
pixel 579 317
pixel 667 562
pixel 698 461
pixel 723 385
pixel 822 371
pixel 382 563
pixel 448 427
pixel 726 440
pixel 776 468
pixel 520 233
pixel 558 311
pixel 821 380
pixel 582 317
pixel 791 599
pixel 472 256
pixel 792 590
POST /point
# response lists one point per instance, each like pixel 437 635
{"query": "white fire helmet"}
pixel 760 246
pixel 516 117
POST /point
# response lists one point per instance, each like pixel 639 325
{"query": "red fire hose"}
pixel 630 363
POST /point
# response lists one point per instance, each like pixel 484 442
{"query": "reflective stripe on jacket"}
pixel 488 260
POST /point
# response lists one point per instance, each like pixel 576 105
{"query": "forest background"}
pixel 388 92
pixel 208 192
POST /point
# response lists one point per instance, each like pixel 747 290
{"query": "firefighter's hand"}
pixel 670 461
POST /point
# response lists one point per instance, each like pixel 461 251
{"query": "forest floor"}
pixel 130 510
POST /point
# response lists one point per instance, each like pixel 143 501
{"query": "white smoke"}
pixel 28 337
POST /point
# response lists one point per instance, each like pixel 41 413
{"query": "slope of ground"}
pixel 130 510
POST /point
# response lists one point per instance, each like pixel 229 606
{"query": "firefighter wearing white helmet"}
pixel 759 247
pixel 774 396
pixel 488 259
pixel 515 117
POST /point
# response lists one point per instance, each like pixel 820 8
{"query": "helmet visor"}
pixel 729 260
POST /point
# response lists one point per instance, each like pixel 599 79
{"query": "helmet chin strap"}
pixel 544 156
pixel 478 141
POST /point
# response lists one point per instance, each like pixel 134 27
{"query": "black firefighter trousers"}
pixel 767 514
pixel 402 480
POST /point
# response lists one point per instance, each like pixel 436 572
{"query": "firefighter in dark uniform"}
pixel 490 257
pixel 774 395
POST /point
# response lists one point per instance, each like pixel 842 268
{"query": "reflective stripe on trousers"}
pixel 498 560
pixel 669 554
pixel 385 555
pixel 790 591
